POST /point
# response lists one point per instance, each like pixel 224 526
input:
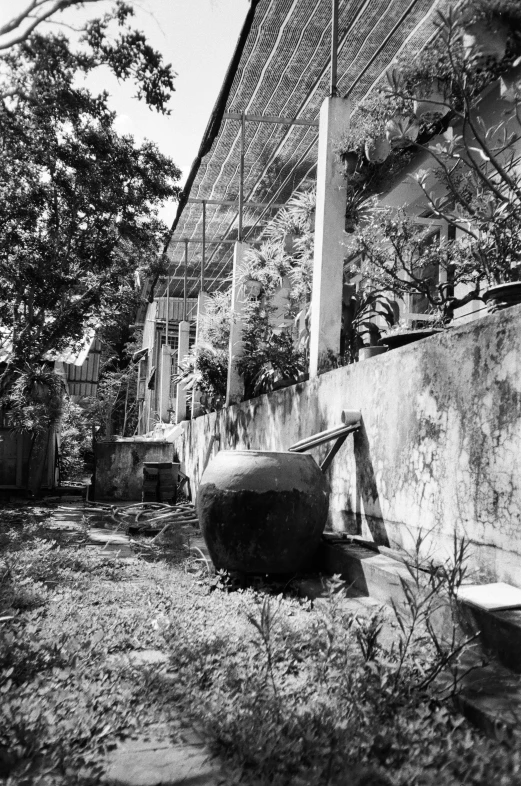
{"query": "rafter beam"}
pixel 231 202
pixel 282 121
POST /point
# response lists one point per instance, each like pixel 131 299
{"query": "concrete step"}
pixel 491 694
pixel 382 577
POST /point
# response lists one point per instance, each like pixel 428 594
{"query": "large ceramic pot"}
pixel 502 296
pixel 262 512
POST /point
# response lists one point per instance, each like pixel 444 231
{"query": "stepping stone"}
pixel 139 658
pixel 111 550
pixel 107 536
pixel 491 597
pixel 161 763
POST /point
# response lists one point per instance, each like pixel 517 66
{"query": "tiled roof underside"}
pixel 284 71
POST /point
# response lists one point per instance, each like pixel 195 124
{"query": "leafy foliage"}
pixel 286 691
pixel 78 202
pixel 269 357
pixel 365 314
pixel 206 366
pixel 76 457
pixel 398 256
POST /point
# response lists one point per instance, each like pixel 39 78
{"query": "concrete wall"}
pixel 119 467
pixel 439 451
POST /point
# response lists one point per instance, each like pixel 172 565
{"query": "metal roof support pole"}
pixel 241 174
pixel 203 257
pixel 235 383
pixel 334 48
pixel 183 346
pixel 328 255
pixel 201 308
pixel 184 280
pixel 167 315
pixel 202 302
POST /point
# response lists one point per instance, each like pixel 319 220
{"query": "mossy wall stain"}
pixel 440 447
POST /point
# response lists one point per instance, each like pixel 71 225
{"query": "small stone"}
pixel 147 658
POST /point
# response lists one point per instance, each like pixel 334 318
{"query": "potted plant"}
pixel 377 149
pixel 409 260
pixel 366 313
pixel 350 162
pixel 358 206
pixel 475 169
pixel 401 334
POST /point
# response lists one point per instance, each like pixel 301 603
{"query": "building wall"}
pixel 119 467
pixel 439 451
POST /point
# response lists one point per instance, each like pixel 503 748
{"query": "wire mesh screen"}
pixel 284 72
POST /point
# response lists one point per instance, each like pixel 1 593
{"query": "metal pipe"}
pixel 184 281
pixel 283 121
pixel 203 258
pixel 334 48
pixel 241 175
pixel 323 436
pixel 167 315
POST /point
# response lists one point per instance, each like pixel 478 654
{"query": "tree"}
pixel 78 202
pixel 36 13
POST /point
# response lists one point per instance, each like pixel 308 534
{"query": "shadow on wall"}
pixel 366 491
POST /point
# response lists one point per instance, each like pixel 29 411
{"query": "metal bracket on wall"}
pixel 338 433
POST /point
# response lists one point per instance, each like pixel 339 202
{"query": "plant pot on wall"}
pixel 252 288
pixel 377 150
pixel 364 353
pixel 431 97
pixel 396 340
pixel 350 162
pixel 485 42
pixel 502 296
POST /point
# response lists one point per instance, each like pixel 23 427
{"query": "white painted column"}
pixel 165 372
pixel 235 383
pixel 326 298
pixel 202 300
pixel 183 346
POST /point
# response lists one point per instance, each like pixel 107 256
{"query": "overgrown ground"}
pixel 285 691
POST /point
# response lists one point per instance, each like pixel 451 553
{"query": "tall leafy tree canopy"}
pixel 78 201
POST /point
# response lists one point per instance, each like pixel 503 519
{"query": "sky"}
pixel 198 38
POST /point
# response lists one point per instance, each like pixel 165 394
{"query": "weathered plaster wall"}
pixel 119 467
pixel 440 447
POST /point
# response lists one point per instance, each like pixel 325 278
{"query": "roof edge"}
pixel 212 129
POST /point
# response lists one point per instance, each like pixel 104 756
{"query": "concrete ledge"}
pixel 381 577
pixel 490 695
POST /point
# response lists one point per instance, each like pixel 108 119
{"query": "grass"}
pixel 285 691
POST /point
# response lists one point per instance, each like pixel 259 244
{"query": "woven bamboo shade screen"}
pixel 284 71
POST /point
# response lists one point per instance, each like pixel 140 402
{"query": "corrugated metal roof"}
pixel 75 354
pixel 284 71
pixel 83 378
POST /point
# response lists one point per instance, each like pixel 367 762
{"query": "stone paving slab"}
pixel 159 762
pixel 139 658
pixel 102 536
